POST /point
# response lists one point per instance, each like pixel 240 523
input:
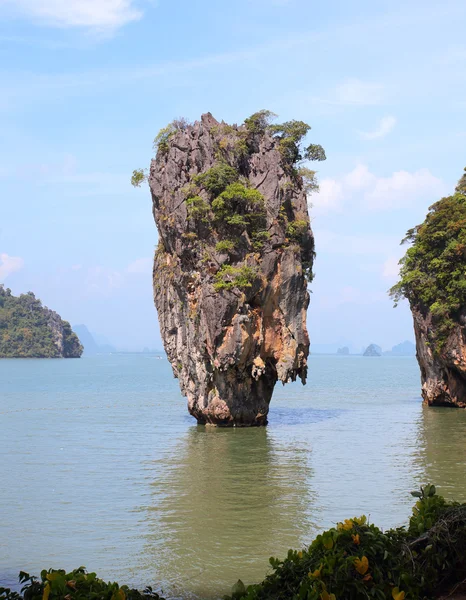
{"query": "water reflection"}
pixel 226 500
pixel 444 450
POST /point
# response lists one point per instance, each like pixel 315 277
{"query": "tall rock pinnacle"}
pixel 234 258
pixel 432 278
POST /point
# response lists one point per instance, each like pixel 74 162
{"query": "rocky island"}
pixel 234 260
pixel 30 330
pixel 433 279
pixel 373 350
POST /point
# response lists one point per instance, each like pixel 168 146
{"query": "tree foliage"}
pixel 356 560
pixel 27 329
pixel 433 270
pixel 57 584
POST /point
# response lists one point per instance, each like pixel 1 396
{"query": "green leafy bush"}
pixel 258 123
pixel 297 230
pixel 138 177
pixel 76 585
pixel 433 270
pixel 309 180
pixel 229 277
pixel 356 560
pixel 240 206
pixel 224 246
pixel 217 178
pixel 259 238
pixel 198 208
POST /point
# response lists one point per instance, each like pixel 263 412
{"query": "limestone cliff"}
pixel 30 330
pixel 433 279
pixel 443 374
pixel 234 258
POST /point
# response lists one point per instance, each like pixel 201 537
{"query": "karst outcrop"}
pixel 234 259
pixel 433 279
pixel 30 330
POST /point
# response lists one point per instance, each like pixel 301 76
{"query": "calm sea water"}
pixel 101 465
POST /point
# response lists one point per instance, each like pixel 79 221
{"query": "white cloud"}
pixel 329 197
pixel 391 268
pixel 95 14
pixel 100 280
pixel 385 126
pixel 9 264
pixel 105 281
pixel 364 190
pixel 403 188
pixel 359 93
pixel 359 178
pixel 140 266
pixel 330 242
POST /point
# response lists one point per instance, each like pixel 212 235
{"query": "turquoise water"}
pixel 101 465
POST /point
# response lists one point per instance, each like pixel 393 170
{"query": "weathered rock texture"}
pixel 443 375
pixel 229 344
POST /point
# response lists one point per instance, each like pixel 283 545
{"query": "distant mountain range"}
pixel 405 348
pixel 91 347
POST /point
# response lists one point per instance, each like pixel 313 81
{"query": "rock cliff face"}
pixel 231 269
pixel 432 278
pixel 443 376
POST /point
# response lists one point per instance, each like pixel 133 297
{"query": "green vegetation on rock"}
pixel 229 277
pixel 29 330
pixel 433 270
pixel 217 178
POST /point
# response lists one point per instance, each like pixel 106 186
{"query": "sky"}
pixel 87 84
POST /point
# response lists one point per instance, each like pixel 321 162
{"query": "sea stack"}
pixel 433 279
pixel 233 262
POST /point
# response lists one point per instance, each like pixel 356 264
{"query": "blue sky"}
pixel 86 85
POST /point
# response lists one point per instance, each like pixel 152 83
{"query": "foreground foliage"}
pixel 432 275
pixel 357 560
pixel 76 585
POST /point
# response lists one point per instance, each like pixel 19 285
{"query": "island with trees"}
pixel 30 330
pixel 433 279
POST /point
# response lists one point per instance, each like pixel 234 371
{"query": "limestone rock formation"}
pixel 234 258
pixel 443 375
pixel 432 278
pixel 30 330
pixel 373 350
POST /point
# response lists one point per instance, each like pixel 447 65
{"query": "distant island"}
pixel 373 350
pixel 30 330
pixel 404 349
pixel 90 346
pixel 343 351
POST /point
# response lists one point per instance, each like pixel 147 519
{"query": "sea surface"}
pixel 101 466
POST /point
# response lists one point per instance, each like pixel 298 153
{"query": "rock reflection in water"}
pixel 226 502
pixel 444 450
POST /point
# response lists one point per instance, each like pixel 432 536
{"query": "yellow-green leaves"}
pixel 361 565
